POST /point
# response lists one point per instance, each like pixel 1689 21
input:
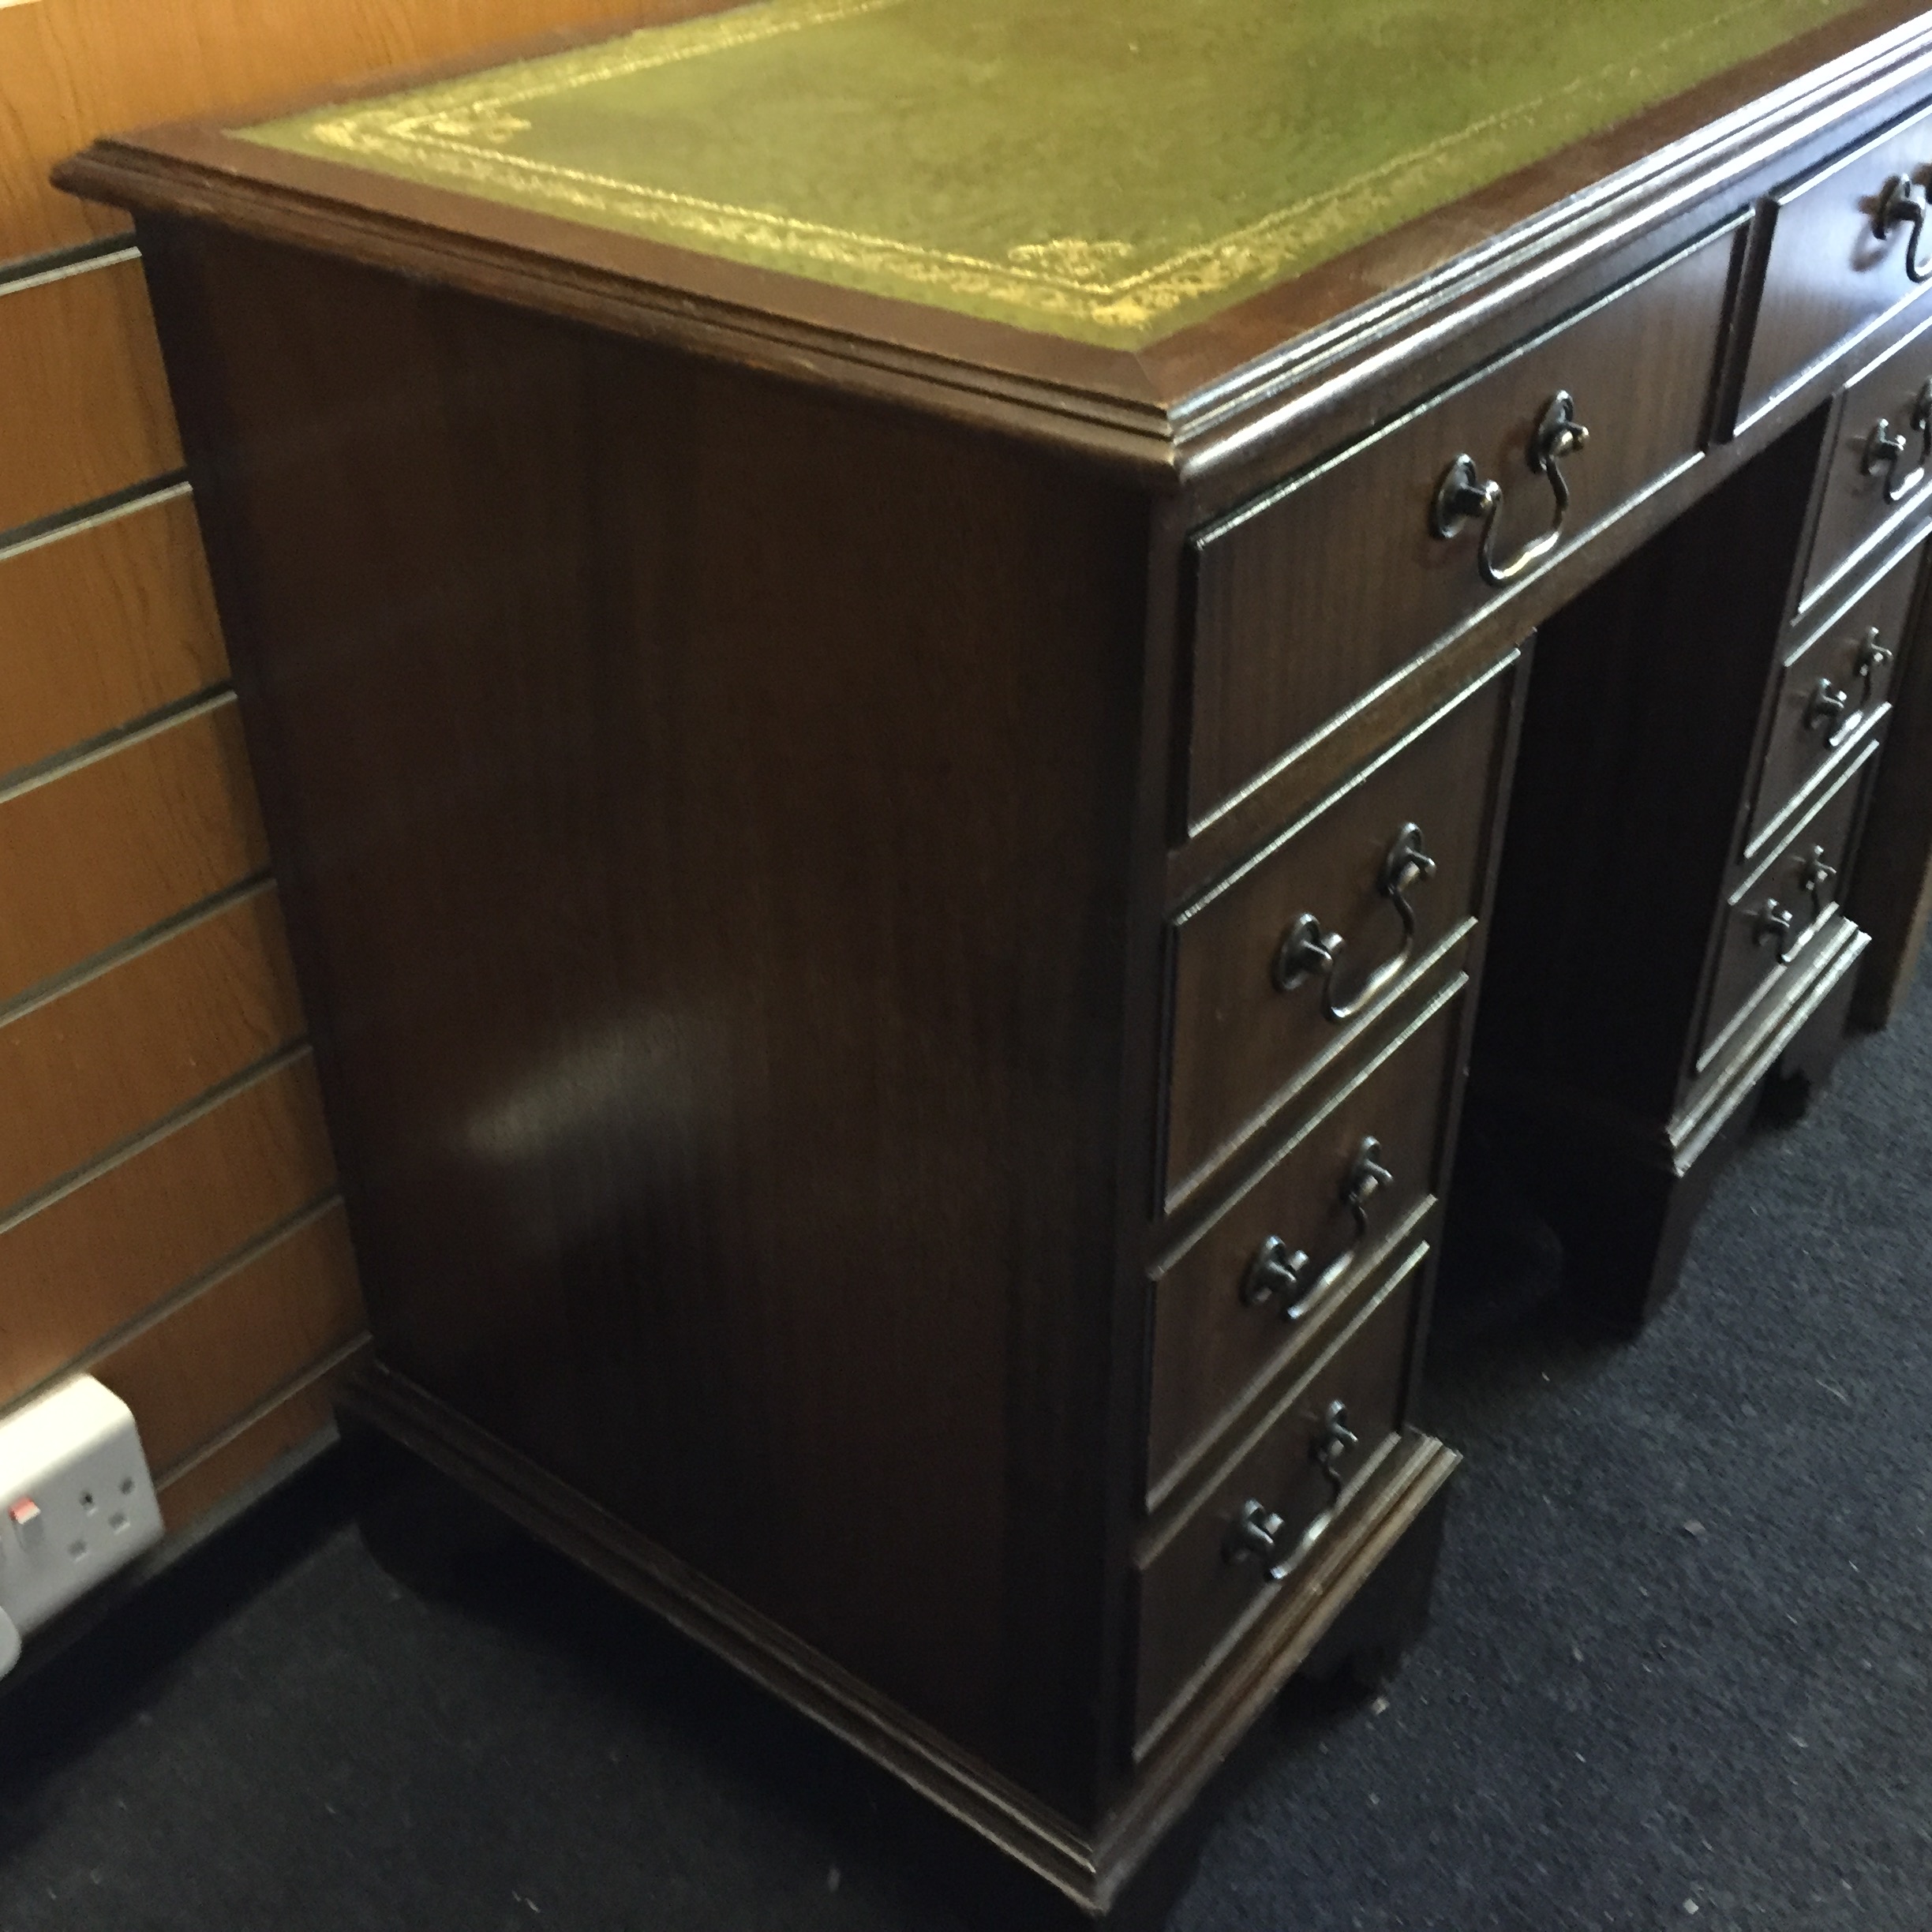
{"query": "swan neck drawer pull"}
pixel 1901 201
pixel 1815 875
pixel 1275 1268
pixel 1774 924
pixel 1366 1177
pixel 1886 451
pixel 1463 496
pixel 1258 1531
pixel 1307 949
pixel 1830 712
pixel 1874 655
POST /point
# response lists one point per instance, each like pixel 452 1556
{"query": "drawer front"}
pixel 1262 1281
pixel 1878 463
pixel 1841 261
pixel 1771 917
pixel 1836 680
pixel 1265 1517
pixel 1310 597
pixel 1253 1007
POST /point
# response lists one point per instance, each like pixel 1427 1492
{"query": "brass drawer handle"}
pixel 1885 451
pixel 1462 495
pixel 1306 948
pixel 1336 1439
pixel 1873 654
pixel 1831 705
pixel 1276 1270
pixel 1257 1531
pixel 1776 924
pixel 1901 201
pixel 1814 875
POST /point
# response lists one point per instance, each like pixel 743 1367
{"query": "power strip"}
pixel 76 1504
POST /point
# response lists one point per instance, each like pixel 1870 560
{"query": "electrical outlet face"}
pixel 76 1502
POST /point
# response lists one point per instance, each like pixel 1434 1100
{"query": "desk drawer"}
pixel 1377 878
pixel 1265 1516
pixel 1772 916
pixel 1308 599
pixel 1836 267
pixel 1878 464
pixel 1828 686
pixel 1262 1281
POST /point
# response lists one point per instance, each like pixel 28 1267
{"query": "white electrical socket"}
pixel 76 1502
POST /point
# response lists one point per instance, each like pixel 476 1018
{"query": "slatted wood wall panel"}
pixel 83 404
pixel 129 836
pixel 109 1055
pixel 102 624
pixel 168 1212
pixel 112 1246
pixel 263 1324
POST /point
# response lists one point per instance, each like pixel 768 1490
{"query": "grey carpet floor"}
pixel 1677 1674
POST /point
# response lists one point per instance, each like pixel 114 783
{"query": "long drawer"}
pixel 1260 1282
pixel 1266 1515
pixel 1312 597
pixel 1846 252
pixel 1279 967
pixel 1771 918
pixel 1826 688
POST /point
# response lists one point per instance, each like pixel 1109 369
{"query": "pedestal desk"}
pixel 888 651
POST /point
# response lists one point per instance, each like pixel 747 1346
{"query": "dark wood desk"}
pixel 891 832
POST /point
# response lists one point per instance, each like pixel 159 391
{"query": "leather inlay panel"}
pixel 1329 124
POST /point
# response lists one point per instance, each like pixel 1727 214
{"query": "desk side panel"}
pixel 704 808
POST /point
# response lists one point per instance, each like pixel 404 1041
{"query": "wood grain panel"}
pixel 95 853
pixel 682 872
pixel 102 626
pixel 250 1331
pixel 106 1251
pixel 75 68
pixel 297 1418
pixel 106 1058
pixel 83 404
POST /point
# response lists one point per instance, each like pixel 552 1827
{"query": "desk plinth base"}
pixel 1350 1614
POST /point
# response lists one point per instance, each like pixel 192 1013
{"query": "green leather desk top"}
pixel 1105 169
